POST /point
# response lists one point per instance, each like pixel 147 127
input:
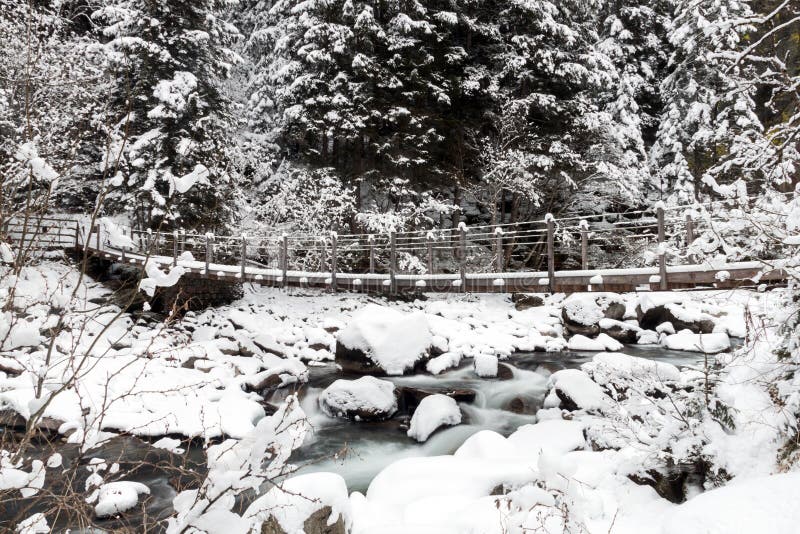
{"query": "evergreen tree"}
pixel 706 105
pixel 174 122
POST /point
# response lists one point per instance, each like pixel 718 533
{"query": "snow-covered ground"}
pixel 596 458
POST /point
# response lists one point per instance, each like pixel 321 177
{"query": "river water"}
pixel 358 451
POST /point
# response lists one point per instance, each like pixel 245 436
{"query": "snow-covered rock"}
pixel 433 412
pixel 365 399
pixel 680 311
pixel 582 312
pixel 116 497
pixel 706 343
pixel 619 370
pixel 486 365
pixel 573 389
pixel 602 342
pixel 313 502
pixel 379 339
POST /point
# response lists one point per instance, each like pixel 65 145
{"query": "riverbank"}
pixel 215 376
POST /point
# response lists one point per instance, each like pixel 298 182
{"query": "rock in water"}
pixel 486 365
pixel 365 399
pixel 380 340
pixel 432 413
pixel 582 312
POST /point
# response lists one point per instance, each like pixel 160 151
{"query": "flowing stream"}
pixel 358 451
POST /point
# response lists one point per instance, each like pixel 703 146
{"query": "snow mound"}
pixel 486 365
pixel 394 340
pixel 434 411
pixel 706 343
pixel 764 504
pixel 116 497
pixel 296 499
pixel 602 342
pixel 367 398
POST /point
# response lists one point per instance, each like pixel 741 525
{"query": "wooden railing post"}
pixel 371 242
pixel 551 255
pixel 393 262
pixel 183 240
pixel 429 244
pixel 689 233
pixel 78 235
pixel 662 253
pixel 584 226
pixel 174 248
pixel 97 238
pixel 334 238
pixel 498 244
pixel 284 258
pixel 209 251
pixel 244 255
pixel 462 260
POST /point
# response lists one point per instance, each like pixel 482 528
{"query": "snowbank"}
pixel 573 389
pixel 765 504
pixel 434 411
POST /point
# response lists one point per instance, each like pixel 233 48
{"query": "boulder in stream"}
pixel 582 312
pixel 434 412
pixel 365 399
pixel 380 340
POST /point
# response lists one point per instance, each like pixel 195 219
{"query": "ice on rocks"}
pixel 433 412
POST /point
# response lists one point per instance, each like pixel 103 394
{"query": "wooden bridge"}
pixel 482 259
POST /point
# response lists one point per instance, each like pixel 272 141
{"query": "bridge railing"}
pixel 448 257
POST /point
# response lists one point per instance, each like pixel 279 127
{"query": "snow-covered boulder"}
pixel 381 340
pixel 432 413
pixel 311 503
pixel 681 314
pixel 602 342
pixel 573 389
pixel 582 312
pixel 620 371
pixel 706 343
pixel 365 399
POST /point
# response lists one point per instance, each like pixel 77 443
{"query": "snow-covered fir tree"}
pixel 173 123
